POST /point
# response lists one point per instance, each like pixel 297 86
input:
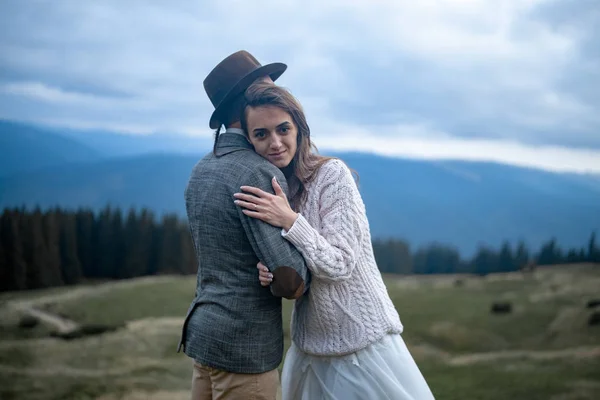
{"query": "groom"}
pixel 233 328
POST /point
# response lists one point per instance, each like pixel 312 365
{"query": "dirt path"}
pixel 575 352
pixel 143 395
pixel 77 292
pixel 427 350
pixel 62 324
pixel 80 372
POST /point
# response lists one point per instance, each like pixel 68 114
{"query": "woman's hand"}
pixel 273 209
pixel 264 276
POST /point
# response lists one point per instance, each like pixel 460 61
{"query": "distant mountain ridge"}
pixel 453 202
pixel 29 148
pixel 127 145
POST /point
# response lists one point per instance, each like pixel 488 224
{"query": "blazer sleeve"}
pixel 291 277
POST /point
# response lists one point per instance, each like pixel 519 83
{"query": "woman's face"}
pixel 273 134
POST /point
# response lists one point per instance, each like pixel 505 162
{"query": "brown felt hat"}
pixel 233 76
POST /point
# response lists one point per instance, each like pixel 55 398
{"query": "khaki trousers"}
pixel 213 384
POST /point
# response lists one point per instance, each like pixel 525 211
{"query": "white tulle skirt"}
pixel 382 371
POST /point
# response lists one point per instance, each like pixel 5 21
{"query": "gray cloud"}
pixel 580 19
pixel 500 70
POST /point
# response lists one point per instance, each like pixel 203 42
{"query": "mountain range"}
pixel 458 203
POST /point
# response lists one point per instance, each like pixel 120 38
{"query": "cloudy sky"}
pixel 515 81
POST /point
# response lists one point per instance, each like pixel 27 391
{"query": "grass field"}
pixel 544 349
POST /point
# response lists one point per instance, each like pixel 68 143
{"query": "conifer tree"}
pixel 85 226
pixel 70 265
pixel 13 275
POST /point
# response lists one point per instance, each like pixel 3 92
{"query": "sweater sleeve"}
pixel 331 254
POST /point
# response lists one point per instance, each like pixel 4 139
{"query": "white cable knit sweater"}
pixel 347 307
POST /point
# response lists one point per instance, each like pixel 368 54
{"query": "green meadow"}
pixel 544 348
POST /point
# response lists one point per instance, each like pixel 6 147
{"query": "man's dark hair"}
pixel 230 115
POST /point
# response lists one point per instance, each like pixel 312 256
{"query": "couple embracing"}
pixel 271 219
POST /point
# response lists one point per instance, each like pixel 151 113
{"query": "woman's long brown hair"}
pixel 306 162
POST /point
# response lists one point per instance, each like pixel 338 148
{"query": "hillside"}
pixel 455 203
pixel 466 203
pixel 155 181
pixel 544 349
pixel 26 148
pixel 127 145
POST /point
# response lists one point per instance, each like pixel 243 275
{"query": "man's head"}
pixel 230 117
pixel 226 83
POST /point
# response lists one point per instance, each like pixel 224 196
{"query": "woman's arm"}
pixel 331 254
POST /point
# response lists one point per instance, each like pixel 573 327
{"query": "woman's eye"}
pixel 285 129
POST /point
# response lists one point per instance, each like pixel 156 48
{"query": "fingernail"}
pixel 270 276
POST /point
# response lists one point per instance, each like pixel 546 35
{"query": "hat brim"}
pixel 273 70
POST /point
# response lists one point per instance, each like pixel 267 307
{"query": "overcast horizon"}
pixel 506 81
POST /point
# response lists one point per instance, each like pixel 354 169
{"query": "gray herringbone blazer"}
pixel 233 323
